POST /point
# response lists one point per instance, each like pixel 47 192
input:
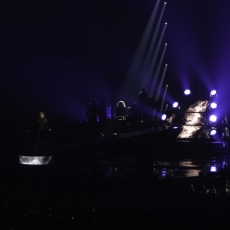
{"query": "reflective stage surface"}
pixel 130 167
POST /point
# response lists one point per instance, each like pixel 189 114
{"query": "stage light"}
pixel 175 104
pixel 163 117
pixel 165 3
pixel 164 173
pixel 166 23
pixel 213 105
pixel 187 92
pixel 213 132
pixel 213 94
pixel 213 169
pixel 213 118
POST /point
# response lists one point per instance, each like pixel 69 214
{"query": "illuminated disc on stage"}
pixel 36 160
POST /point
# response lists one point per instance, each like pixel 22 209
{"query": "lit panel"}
pixel 36 160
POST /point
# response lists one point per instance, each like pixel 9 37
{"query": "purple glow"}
pixel 187 92
pixel 109 112
pixel 164 173
pixel 175 104
pixel 213 118
pixel 213 105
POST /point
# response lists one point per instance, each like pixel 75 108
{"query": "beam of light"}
pixel 135 67
pixel 163 101
pixel 153 62
pixel 162 77
pixel 149 54
pixel 193 119
pixel 36 160
pixel 166 107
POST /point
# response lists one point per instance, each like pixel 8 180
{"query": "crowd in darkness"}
pixel 43 198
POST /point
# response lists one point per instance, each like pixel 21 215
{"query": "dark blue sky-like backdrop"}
pixel 57 56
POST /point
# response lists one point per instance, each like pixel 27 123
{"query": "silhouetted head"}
pixel 42 114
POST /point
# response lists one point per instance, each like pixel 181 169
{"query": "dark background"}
pixel 57 56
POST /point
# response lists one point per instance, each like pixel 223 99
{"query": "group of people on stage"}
pixel 143 108
pixel 92 113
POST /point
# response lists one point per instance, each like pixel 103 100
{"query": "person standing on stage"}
pixel 142 101
pixel 42 139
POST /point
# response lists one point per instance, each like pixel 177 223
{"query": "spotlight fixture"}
pixel 187 92
pixel 212 133
pixel 175 105
pixel 213 168
pixel 213 94
pixel 163 117
pixel 213 105
pixel 213 118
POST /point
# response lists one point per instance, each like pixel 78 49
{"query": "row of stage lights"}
pixel 212 106
pixel 213 117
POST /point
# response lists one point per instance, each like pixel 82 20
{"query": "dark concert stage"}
pixel 145 148
pixel 114 115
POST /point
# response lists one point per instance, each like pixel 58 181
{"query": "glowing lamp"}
pixel 175 104
pixel 213 105
pixel 213 169
pixel 213 94
pixel 213 132
pixel 164 173
pixel 163 117
pixel 187 92
pixel 213 118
